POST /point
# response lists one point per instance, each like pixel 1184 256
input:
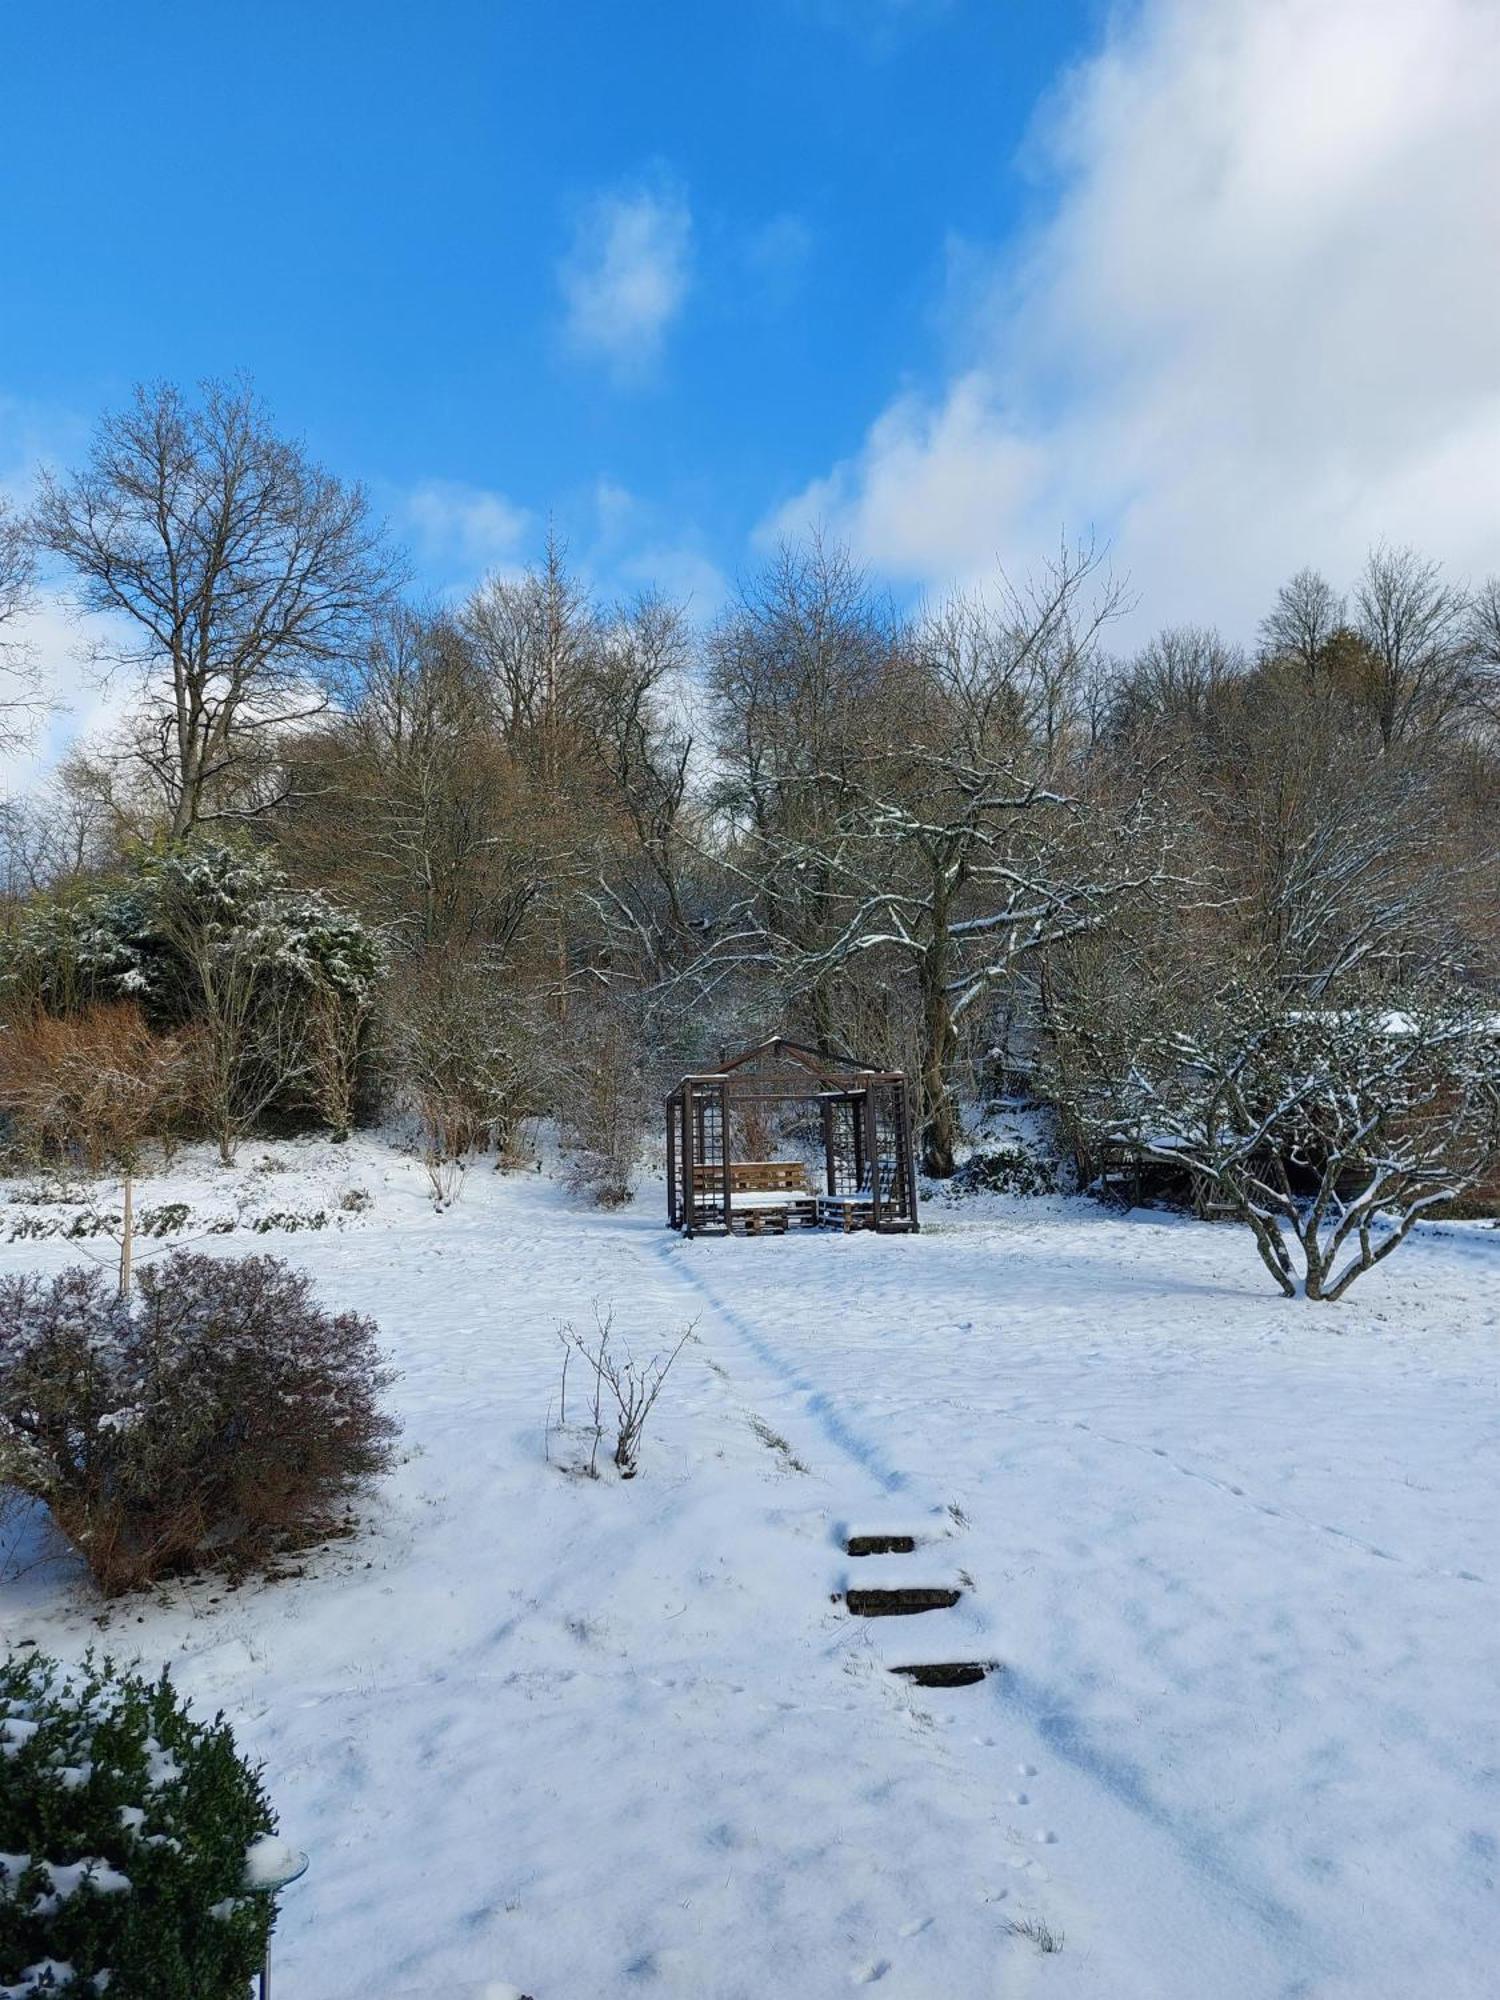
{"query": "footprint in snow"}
pixel 866 1975
pixel 916 1927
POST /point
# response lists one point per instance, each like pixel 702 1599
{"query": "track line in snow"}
pixel 816 1402
pixel 1066 1737
pixel 1032 1706
pixel 1279 1513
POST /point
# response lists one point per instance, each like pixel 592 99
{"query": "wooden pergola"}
pixel 868 1165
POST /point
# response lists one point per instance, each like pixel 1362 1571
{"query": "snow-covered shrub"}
pixel 1005 1170
pixel 218 1415
pixel 124 1831
pixel 123 940
pixel 90 1085
pixel 1328 1132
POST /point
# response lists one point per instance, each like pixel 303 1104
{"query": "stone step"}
pixel 899 1603
pixel 880 1545
pixel 949 1673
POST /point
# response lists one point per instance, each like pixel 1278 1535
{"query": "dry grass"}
pixel 1037 1931
pixel 90 1086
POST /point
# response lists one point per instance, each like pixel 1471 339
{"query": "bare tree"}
pixel 599 1087
pixel 1418 636
pixel 1329 1134
pixel 643 746
pixel 1484 637
pixel 1173 680
pixel 48 837
pixel 410 803
pixel 537 642
pixel 950 843
pixel 466 1053
pixel 238 574
pixel 803 672
pixel 1333 861
pixel 1307 613
pixel 19 695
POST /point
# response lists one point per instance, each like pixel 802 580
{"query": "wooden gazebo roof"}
pixel 782 1068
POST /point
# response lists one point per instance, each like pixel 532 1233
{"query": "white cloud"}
pixel 460 533
pixel 635 547
pixel 82 704
pixel 625 278
pixel 1259 327
pixel 50 645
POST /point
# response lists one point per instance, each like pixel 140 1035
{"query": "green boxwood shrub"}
pixel 124 1828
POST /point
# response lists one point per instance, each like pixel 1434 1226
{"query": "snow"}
pixel 67 1878
pixel 1235 1555
pixel 270 1862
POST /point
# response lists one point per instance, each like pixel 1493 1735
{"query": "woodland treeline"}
pixel 534 852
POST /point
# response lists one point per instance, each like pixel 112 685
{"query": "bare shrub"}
pixel 619 1379
pixel 600 1090
pixel 463 1051
pixel 217 1415
pixel 335 1035
pixel 248 1048
pixel 93 1085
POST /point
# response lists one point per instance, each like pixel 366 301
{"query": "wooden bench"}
pixel 857 1210
pixel 763 1194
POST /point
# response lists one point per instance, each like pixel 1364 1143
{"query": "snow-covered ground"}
pixel 1238 1559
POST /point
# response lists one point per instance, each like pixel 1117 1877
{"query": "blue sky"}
pixel 391 214
pixel 1213 280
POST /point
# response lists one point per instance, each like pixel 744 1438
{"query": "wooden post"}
pixel 724 1158
pixel 872 1152
pixel 671 1164
pixel 127 1235
pixel 687 1158
pixel 827 1108
pixel 903 1106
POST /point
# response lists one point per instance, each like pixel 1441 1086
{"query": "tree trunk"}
pixel 941 1129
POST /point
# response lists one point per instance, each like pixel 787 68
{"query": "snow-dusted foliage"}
pixel 137 937
pixel 1329 1133
pixel 124 1829
pixel 274 984
pixel 214 1416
